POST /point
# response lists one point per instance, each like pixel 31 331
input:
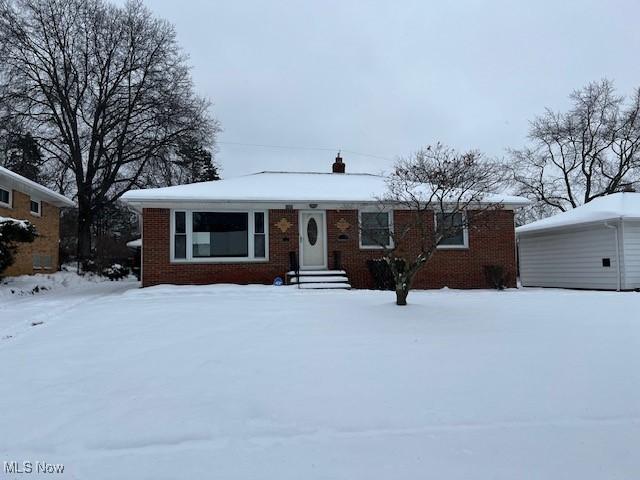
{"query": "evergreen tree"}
pixel 23 156
pixel 13 232
pixel 20 154
pixel 196 162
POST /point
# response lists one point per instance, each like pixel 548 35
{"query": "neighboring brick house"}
pixel 23 199
pixel 248 230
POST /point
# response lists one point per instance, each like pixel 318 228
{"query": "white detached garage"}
pixel 595 246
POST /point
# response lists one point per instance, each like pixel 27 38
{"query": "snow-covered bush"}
pixel 89 266
pixel 116 272
pixel 12 232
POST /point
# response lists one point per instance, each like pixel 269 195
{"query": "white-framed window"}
pixel 455 224
pixel 179 235
pixel 42 262
pixel 375 229
pixel 201 236
pixel 35 207
pixel 5 196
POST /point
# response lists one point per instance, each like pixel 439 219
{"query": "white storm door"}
pixel 313 238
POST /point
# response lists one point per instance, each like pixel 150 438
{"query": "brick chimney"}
pixel 338 165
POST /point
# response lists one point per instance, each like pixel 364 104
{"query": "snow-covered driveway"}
pixel 255 382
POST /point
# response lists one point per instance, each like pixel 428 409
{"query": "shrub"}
pixel 496 276
pixel 13 232
pixel 90 266
pixel 116 272
pixel 381 274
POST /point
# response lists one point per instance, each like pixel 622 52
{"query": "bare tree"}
pixel 587 152
pixel 104 90
pixel 436 195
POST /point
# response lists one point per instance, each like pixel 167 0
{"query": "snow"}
pixel 137 243
pixel 253 382
pixel 29 186
pixel 317 272
pixel 21 297
pixel 285 187
pixel 324 278
pixel 325 284
pixel 22 223
pixel 623 205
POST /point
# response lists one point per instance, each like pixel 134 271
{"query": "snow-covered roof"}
pixel 625 205
pixel 285 187
pixel 12 179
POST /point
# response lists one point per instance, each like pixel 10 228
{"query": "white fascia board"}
pixel 570 227
pixel 33 189
pixel 275 204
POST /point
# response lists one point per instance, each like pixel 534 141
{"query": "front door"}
pixel 313 239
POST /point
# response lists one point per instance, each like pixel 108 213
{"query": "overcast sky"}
pixel 384 78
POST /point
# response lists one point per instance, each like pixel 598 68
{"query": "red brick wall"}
pixel 493 244
pixel 157 267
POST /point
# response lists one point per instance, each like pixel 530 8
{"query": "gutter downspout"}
pixel 615 227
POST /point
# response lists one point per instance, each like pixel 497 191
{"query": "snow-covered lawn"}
pixel 255 382
pixel 21 304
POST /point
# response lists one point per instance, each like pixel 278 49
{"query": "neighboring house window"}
pixel 211 236
pixel 375 229
pixel 42 262
pixel 35 207
pixel 452 226
pixel 5 196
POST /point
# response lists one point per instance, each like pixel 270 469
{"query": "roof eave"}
pixel 138 203
pixel 600 221
pixel 40 191
pixel 61 204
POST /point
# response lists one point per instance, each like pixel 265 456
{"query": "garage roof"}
pixel 625 205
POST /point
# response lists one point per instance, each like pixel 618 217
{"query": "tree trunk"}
pixel 401 278
pixel 401 296
pixel 84 233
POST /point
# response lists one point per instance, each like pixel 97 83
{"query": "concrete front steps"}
pixel 319 279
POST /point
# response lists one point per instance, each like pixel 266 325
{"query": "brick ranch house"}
pixel 23 199
pixel 254 228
